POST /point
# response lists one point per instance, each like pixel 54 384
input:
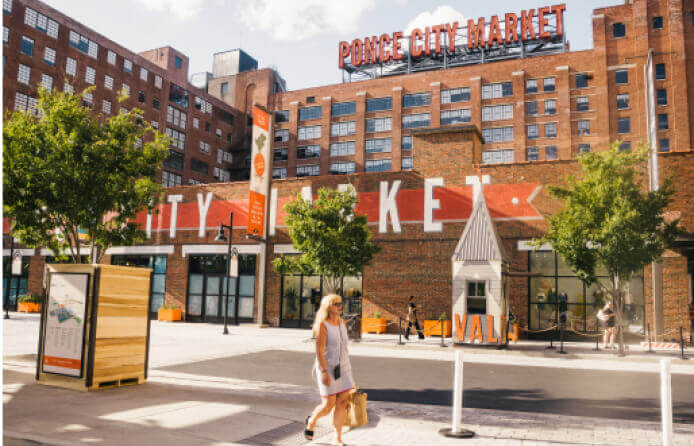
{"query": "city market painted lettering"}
pixel 529 25
pixel 388 208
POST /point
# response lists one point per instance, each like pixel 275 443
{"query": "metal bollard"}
pixel 597 338
pixel 561 336
pixel 551 339
pixel 456 430
pixel 650 350
pixel 666 401
pixel 682 343
pixel 400 333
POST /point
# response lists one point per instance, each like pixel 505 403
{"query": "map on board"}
pixel 66 310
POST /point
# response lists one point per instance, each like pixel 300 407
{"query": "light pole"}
pixel 9 282
pixel 220 238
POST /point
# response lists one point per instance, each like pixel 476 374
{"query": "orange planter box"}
pixel 168 315
pixel 373 325
pixel 433 328
pixel 28 307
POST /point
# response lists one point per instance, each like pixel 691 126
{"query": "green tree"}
pixel 611 220
pixel 334 241
pixel 67 171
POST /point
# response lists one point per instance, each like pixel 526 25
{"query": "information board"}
pixel 63 341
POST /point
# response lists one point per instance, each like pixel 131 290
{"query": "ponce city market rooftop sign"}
pixel 528 26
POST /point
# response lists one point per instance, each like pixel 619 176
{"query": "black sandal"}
pixel 307 433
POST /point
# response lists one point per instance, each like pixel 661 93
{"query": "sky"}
pixel 299 38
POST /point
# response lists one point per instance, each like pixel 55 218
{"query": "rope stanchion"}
pixel 400 332
pixel 561 337
pixel 682 343
pixel 551 339
pixel 442 339
pixel 650 348
pixel 597 338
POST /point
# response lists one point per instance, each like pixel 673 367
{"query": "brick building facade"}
pixel 520 122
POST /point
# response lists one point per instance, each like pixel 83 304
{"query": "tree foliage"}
pixel 333 239
pixel 611 220
pixel 66 170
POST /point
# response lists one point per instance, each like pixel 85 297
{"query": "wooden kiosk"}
pixel 94 330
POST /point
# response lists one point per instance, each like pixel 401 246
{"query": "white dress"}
pixel 335 352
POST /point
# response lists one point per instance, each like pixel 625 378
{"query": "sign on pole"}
pixel 17 263
pixel 261 169
pixel 234 263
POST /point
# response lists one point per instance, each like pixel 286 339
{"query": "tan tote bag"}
pixel 356 410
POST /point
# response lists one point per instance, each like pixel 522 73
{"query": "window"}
pixel 379 104
pixel 169 179
pixel 531 85
pixel 583 148
pixel 46 81
pixel 343 148
pixel 310 170
pixel 156 104
pixel 279 173
pixel 344 108
pixel 415 121
pixel 306 152
pixel 621 77
pixel 7 6
pixel 178 62
pixel 458 116
pixel 310 132
pixel 623 125
pixel 111 57
pixel 90 75
pixel 207 127
pixel 662 121
pixel 88 99
pixel 455 95
pixel 196 123
pixel 224 88
pixel 205 106
pixel 582 103
pixel 533 131
pixel 282 116
pixel 624 146
pixel 141 96
pixel 582 80
pixel 661 95
pixel 27 46
pixel 176 117
pixel 280 154
pixel 551 152
pixel 658 22
pixel 531 108
pixel 497 156
pixel 378 145
pixel 551 107
pixel 497 112
pixel 476 298
pixel 548 84
pixel 199 166
pixel 406 143
pixel 493 91
pixel 341 168
pixel 127 65
pixel 310 113
pixel 416 100
pixel 41 22
pixel 310 99
pixel 618 30
pixel 83 44
pixel 108 82
pixel 497 134
pixel 341 128
pixel 533 153
pixel 157 81
pixel 382 165
pixel 178 138
pixel 379 125
pixel 622 101
pixel 551 130
pixel 281 135
pixel 659 71
pixel 143 74
pixel 178 95
pixel 67 88
pixel 406 163
pixel 204 147
pixel 174 161
pixel 583 127
pixel 23 74
pixel 106 107
pixel 664 145
pixel 71 66
pixel 5 35
pixel 25 103
pixel 218 132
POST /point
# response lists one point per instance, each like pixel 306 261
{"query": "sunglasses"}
pixel 337 304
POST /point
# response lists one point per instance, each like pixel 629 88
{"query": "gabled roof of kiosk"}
pixel 480 241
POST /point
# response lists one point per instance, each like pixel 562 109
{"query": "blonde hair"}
pixel 322 313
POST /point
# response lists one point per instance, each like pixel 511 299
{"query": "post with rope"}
pixel 597 338
pixel 650 348
pixel 551 338
pixel 400 332
pixel 562 321
pixel 682 343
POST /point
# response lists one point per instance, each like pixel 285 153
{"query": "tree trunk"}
pixel 618 302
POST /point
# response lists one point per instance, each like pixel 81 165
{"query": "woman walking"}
pixel 332 366
pixel 607 316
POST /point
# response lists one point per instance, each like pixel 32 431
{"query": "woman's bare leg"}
pixel 339 415
pixel 323 409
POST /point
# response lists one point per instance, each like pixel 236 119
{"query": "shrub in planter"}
pixel 169 313
pixel 31 303
pixel 375 324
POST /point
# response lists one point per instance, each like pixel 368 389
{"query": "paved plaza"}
pixel 180 408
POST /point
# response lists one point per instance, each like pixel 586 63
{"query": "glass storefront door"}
pixel 14 287
pixel 301 295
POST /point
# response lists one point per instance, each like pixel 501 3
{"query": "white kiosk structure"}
pixel 480 280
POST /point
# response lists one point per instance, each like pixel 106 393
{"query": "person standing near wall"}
pixel 412 320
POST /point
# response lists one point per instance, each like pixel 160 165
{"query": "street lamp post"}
pixel 9 282
pixel 220 238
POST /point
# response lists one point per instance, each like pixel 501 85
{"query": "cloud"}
pixel 181 9
pixel 441 15
pixel 303 19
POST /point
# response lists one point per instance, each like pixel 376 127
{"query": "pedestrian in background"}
pixel 332 366
pixel 607 316
pixel 412 319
